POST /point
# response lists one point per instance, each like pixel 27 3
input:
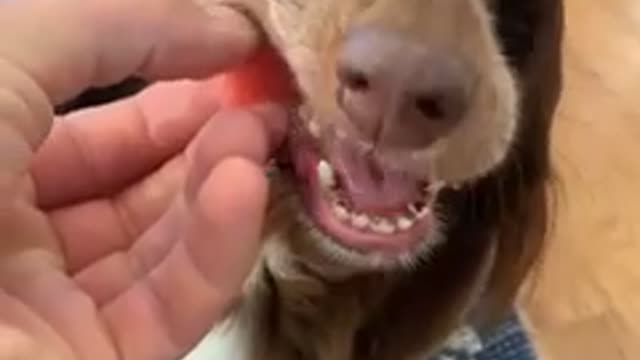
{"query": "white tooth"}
pixel 423 213
pixel 404 223
pixel 326 175
pixel 314 128
pixel 456 186
pixel 436 186
pixel 360 221
pixel 383 226
pixel 413 209
pixel 341 212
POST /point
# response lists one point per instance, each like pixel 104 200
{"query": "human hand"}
pixel 126 230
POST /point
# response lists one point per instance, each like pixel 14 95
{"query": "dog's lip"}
pixel 319 209
pixel 302 156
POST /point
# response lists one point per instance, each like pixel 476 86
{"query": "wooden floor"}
pixel 587 302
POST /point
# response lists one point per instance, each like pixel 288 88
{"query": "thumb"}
pixel 96 42
pixel 55 50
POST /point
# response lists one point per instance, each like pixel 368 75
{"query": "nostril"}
pixel 431 107
pixel 353 79
pixel 398 91
pixel 447 105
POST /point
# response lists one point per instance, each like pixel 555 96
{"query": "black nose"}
pixel 399 90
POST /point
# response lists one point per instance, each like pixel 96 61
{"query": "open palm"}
pixel 134 230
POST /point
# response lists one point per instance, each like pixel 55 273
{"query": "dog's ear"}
pixel 532 34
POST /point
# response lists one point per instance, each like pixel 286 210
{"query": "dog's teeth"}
pixel 419 210
pixel 404 223
pixel 383 226
pixel 341 212
pixel 456 186
pixel 436 186
pixel 360 221
pixel 326 175
pixel 314 128
pixel 423 212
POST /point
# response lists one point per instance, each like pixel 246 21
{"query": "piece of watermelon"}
pixel 265 78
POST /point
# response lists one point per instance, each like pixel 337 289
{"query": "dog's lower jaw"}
pixel 329 257
pixel 291 225
pixel 303 303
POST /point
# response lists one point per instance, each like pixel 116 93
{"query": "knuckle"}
pixel 23 104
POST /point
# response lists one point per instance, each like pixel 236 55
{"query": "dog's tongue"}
pixel 368 184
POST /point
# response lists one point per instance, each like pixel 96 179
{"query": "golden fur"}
pixel 311 300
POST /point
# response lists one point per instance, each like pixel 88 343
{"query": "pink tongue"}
pixel 369 185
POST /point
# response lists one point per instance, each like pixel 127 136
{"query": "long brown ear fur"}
pixel 524 225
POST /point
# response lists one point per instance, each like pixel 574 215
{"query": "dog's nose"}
pixel 400 92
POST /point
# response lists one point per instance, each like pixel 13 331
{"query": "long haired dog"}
pixel 412 196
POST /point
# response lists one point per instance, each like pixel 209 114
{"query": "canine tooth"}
pixel 314 128
pixel 341 212
pixel 436 186
pixel 413 208
pixel 404 223
pixel 360 221
pixel 326 175
pixel 383 226
pixel 456 186
pixel 419 210
pixel 423 213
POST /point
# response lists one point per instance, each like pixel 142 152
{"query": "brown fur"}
pixel 303 304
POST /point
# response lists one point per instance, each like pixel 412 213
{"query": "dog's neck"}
pixel 316 312
pixel 323 315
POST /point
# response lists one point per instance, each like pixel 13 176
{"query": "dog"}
pixel 412 196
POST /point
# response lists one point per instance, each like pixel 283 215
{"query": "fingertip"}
pixel 209 43
pixel 229 213
pixel 249 133
pixel 235 192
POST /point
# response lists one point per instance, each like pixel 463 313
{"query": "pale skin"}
pixel 125 231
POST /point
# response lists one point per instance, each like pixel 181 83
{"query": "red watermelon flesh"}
pixel 265 78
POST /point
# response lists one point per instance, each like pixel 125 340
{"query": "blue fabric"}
pixel 509 341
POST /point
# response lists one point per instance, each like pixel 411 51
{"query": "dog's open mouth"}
pixel 356 200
